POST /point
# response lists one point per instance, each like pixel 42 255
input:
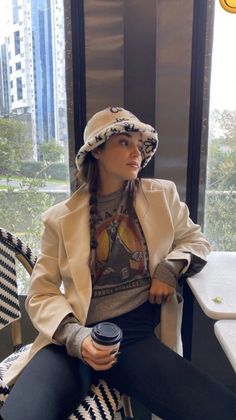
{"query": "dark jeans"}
pixel 53 384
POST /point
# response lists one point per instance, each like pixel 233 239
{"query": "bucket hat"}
pixel 115 120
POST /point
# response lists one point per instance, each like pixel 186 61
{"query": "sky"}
pixel 223 76
pixel 4 11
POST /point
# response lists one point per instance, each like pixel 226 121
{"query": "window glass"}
pixel 34 170
pixel 220 226
pixel 15 11
pixel 19 88
pixel 17 42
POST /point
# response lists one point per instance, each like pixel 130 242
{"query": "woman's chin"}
pixel 132 177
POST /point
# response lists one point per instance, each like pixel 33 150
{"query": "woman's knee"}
pixel 53 384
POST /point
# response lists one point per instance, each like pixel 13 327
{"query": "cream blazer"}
pixel 65 249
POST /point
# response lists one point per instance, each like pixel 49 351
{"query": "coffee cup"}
pixel 106 335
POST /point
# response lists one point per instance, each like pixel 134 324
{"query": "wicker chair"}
pixel 102 402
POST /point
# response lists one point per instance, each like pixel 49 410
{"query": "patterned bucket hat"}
pixel 112 121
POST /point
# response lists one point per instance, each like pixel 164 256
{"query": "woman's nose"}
pixel 136 150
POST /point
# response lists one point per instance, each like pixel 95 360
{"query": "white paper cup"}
pixel 106 336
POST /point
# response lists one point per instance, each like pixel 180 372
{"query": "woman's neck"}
pixel 109 189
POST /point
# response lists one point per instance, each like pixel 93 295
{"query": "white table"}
pixel 216 280
pixel 225 331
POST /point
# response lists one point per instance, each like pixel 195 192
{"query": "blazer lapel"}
pixel 75 231
pixel 154 218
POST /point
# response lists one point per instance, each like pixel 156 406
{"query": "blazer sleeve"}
pixel 45 303
pixel 189 242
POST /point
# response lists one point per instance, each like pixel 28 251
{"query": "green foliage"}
pixel 21 207
pixel 51 151
pixel 23 203
pixel 220 220
pixel 8 158
pixel 221 166
pixel 220 207
pixel 20 213
pixel 15 132
pixel 57 170
pixel 31 168
pixel 14 145
pixel 223 126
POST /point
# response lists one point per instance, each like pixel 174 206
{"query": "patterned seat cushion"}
pixel 10 246
pixel 101 403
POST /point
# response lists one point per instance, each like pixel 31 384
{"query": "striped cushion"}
pixel 101 403
pixel 18 245
pixel 9 300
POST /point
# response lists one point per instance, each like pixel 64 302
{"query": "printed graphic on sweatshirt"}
pixel 121 257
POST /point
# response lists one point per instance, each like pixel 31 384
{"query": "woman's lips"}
pixel 133 165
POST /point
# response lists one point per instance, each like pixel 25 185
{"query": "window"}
pixel 15 9
pixel 34 166
pixel 19 88
pixel 220 226
pixel 17 42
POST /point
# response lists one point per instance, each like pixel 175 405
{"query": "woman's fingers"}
pixel 152 298
pixel 169 297
pixel 160 292
pixel 100 366
pixel 97 359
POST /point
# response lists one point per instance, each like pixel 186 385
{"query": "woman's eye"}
pixel 124 141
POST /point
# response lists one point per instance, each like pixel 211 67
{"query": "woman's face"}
pixel 118 161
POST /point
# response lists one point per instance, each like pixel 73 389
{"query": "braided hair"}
pixel 88 176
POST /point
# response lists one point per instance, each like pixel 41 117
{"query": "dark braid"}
pixel 92 222
pixel 89 176
pixel 132 189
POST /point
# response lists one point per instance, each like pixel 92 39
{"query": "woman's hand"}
pixel 160 292
pixel 97 359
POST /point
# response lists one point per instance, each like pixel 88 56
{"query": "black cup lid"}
pixel 106 333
